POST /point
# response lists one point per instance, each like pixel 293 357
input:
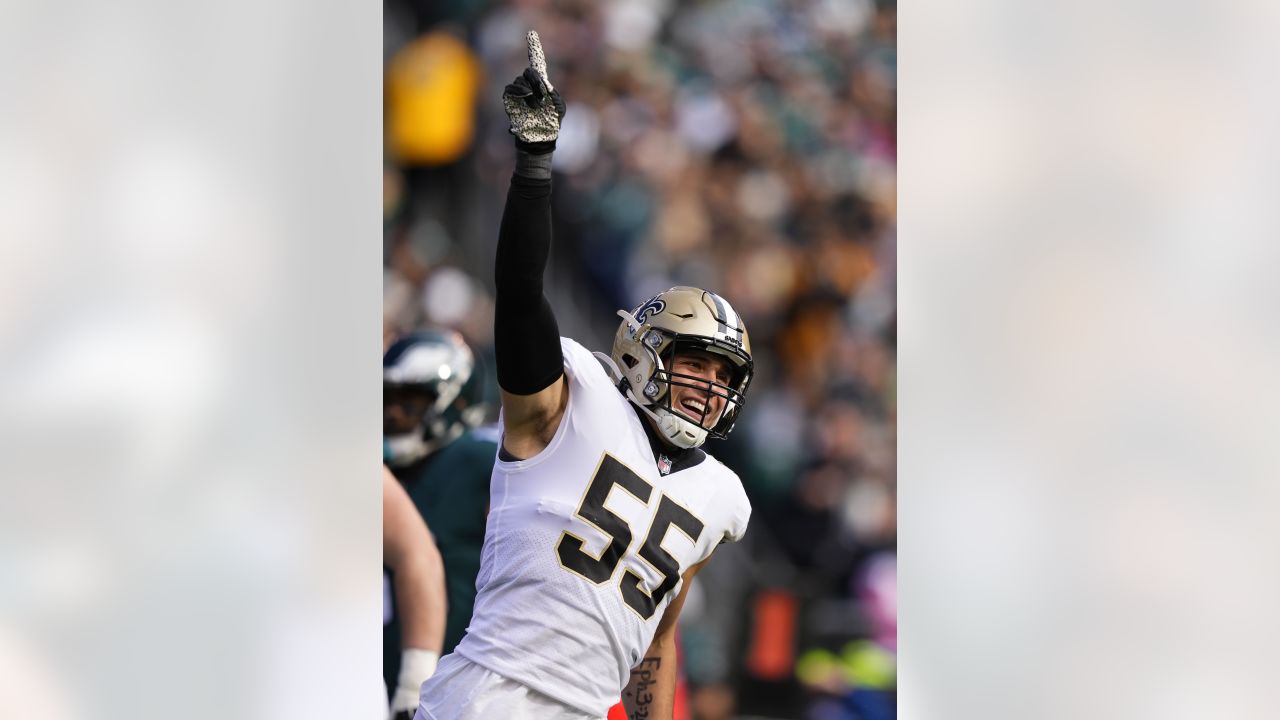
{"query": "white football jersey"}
pixel 586 544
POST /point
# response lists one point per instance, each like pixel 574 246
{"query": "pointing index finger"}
pixel 537 59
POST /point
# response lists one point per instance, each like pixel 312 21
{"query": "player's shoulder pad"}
pixel 582 365
pixel 718 469
pixel 733 494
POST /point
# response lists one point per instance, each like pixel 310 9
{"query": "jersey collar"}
pixel 668 458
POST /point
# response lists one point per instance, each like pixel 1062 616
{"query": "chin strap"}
pixel 609 366
pixel 679 431
pixel 631 320
pixel 621 382
pixel 635 325
pixel 676 430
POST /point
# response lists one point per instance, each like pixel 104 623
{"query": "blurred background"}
pixel 746 147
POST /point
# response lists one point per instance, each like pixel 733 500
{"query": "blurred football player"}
pixel 432 403
pixel 410 554
pixel 603 505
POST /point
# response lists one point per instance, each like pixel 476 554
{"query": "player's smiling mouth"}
pixel 693 408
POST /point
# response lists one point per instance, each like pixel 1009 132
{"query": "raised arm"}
pixel 526 336
pixel 651 692
pixel 410 552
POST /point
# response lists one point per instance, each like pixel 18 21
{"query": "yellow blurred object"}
pixel 867 665
pixel 817 668
pixel 431 90
pixel 861 665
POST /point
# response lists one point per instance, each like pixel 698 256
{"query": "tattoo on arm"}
pixel 643 676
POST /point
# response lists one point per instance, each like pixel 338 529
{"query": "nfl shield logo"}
pixel 664 464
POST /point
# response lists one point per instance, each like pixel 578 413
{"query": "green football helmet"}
pixel 432 392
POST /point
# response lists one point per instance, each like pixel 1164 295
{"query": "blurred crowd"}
pixel 745 146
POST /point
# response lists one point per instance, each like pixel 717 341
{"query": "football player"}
pixel 602 506
pixel 432 402
pixel 411 556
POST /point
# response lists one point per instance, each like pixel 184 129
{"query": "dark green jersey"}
pixel 450 488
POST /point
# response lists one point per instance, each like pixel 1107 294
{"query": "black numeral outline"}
pixel 569 550
pixel 599 568
pixel 670 514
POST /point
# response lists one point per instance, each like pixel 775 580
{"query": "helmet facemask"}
pixel 732 393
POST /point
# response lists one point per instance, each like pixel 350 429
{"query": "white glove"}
pixel 415 667
pixel 533 106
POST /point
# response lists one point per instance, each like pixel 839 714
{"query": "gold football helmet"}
pixel 675 321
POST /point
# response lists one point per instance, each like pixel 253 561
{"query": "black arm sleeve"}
pixel 526 339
